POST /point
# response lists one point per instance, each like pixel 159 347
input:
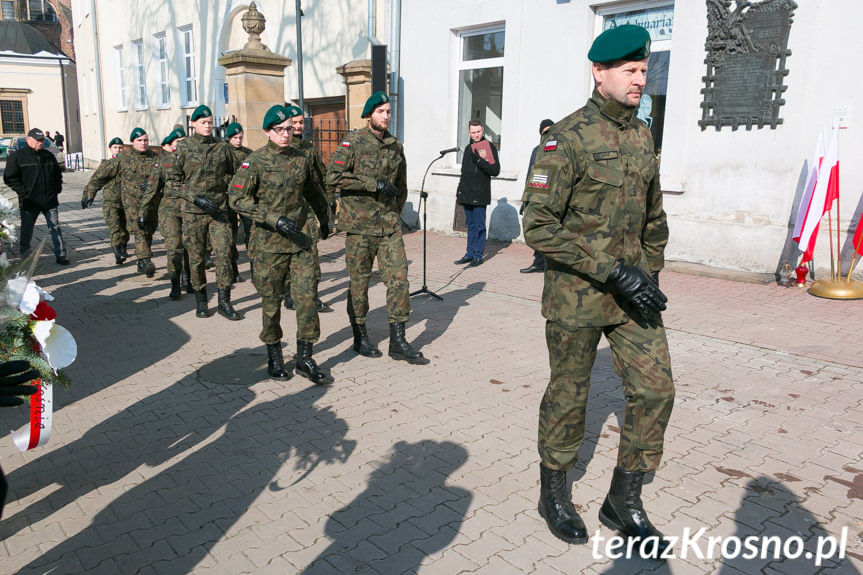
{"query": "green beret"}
pixel 173 136
pixel 181 133
pixel 115 141
pixel 373 102
pixel 201 111
pixel 165 140
pixel 275 115
pixel 294 111
pixel 137 133
pixel 626 42
pixel 233 129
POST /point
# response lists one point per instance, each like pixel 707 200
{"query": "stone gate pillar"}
pixel 358 88
pixel 255 79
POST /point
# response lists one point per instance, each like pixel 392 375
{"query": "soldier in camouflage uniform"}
pixel 311 228
pixel 370 170
pixel 132 169
pixel 275 187
pixel 112 203
pixel 165 190
pixel 207 165
pixel 595 210
pixel 234 137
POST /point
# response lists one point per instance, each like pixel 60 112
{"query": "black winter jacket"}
pixel 474 187
pixel 36 178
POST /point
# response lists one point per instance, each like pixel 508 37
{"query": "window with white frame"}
pixel 480 82
pixel 189 88
pixel 160 55
pixel 140 75
pixel 120 70
pixel 658 19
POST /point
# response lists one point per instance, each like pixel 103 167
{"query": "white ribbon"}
pixel 38 432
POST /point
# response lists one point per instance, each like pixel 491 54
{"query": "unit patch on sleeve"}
pixel 541 178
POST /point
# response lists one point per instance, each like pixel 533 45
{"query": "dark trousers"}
pixel 28 222
pixel 474 217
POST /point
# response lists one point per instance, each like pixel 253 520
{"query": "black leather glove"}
pixel 325 228
pixel 521 209
pixel 636 287
pixel 13 376
pixel 210 207
pixel 387 188
pixel 87 202
pixel 655 277
pixel 289 229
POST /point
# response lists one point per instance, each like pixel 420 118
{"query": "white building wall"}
pixel 737 187
pixel 42 76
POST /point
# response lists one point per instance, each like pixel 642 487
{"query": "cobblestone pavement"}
pixel 173 453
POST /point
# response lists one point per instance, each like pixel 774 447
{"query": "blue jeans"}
pixel 474 217
pixel 28 222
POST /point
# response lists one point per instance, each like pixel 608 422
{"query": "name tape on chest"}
pixel 603 156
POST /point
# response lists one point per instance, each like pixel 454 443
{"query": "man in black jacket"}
pixel 36 177
pixel 479 165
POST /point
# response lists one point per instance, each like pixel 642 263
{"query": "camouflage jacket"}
pixel 359 162
pixel 239 153
pixel 111 187
pixel 132 169
pixel 593 198
pixel 207 165
pixel 165 180
pixel 271 183
pixel 318 167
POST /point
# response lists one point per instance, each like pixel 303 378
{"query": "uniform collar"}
pixel 385 138
pixel 278 149
pixel 612 110
pixel 203 139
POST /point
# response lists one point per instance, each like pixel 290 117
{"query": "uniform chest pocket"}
pixel 599 182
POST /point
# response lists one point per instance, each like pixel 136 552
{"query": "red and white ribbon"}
pixel 41 413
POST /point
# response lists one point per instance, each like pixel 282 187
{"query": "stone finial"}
pixel 254 23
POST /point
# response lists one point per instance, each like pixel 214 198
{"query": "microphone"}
pixel 448 150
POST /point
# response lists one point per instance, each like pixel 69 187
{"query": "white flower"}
pixel 58 346
pixel 25 295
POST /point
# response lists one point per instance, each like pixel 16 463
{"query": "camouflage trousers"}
pixel 171 226
pixel 143 238
pixel 115 219
pixel 360 253
pixel 272 272
pixel 641 360
pixel 196 229
pixel 311 229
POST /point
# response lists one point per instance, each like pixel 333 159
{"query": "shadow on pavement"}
pixel 171 521
pixel 410 492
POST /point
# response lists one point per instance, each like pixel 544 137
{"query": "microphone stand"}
pixel 424 196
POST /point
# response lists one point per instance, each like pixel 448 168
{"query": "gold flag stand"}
pixel 836 287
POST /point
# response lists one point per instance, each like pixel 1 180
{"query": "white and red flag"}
pixel 826 190
pixel 812 166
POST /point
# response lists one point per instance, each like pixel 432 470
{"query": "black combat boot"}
pixel 119 258
pixel 176 292
pixel 186 282
pixel 622 511
pixel 321 306
pixel 124 250
pixel 275 363
pixel 201 303
pixel 237 277
pixel 289 302
pixel 401 349
pixel 225 308
pixel 362 345
pixel 146 267
pixel 306 366
pixel 555 506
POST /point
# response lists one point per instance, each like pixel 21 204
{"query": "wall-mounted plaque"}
pixel 746 51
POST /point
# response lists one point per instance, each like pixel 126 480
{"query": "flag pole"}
pixel 854 257
pixel 830 241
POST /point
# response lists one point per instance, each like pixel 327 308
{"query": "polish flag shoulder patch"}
pixel 550 146
pixel 244 165
pixel 346 144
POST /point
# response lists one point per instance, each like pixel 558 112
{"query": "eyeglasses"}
pixel 279 130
